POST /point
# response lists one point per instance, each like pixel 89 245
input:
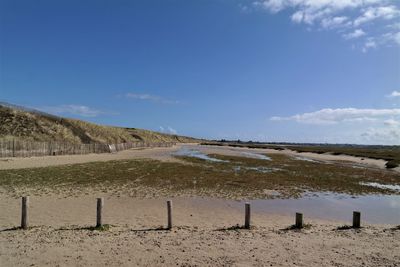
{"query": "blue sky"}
pixel 275 70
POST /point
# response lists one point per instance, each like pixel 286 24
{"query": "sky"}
pixel 320 71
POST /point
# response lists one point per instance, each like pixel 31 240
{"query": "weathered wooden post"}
pixel 13 148
pixel 247 216
pixel 169 210
pixel 299 220
pixel 356 219
pixel 99 217
pixel 24 214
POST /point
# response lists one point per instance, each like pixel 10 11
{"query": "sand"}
pixel 166 154
pixel 59 236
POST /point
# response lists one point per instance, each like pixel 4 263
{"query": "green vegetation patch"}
pixel 237 178
pixel 389 153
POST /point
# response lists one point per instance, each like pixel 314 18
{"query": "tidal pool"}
pixel 379 209
pixel 256 156
pixel 184 151
pixel 306 159
pixel 383 186
pixel 375 209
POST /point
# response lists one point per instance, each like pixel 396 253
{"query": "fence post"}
pixel 24 214
pixel 169 211
pixel 99 217
pixel 356 219
pixel 13 147
pixel 299 220
pixel 247 216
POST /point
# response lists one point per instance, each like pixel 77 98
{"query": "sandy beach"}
pixel 206 231
pixel 204 234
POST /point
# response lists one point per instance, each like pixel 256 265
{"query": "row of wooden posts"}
pixel 100 204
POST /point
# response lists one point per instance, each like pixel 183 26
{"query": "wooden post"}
pixel 299 220
pixel 169 210
pixel 13 147
pixel 247 216
pixel 356 219
pixel 99 217
pixel 24 214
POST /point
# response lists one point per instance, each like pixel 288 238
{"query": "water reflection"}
pixel 256 156
pixel 383 186
pixel 383 209
pixel 184 151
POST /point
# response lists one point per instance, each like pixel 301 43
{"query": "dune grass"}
pixel 26 125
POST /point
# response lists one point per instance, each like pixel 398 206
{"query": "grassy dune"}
pixel 38 126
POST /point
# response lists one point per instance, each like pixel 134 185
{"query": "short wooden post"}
pixel 169 210
pixel 24 214
pixel 299 220
pixel 99 217
pixel 247 216
pixel 356 219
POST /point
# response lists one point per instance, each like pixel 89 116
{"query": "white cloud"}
pixel 344 14
pixel 168 130
pixel 79 110
pixel 394 94
pixel 370 43
pixel 172 130
pixel 391 122
pixel 377 12
pixel 152 98
pixel 392 37
pixel 355 34
pixel 334 116
pixel 335 22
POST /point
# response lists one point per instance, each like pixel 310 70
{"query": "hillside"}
pixel 27 124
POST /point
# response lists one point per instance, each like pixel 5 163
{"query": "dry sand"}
pixel 59 237
pixel 166 154
pixel 159 153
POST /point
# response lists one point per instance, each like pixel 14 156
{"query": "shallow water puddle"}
pixel 256 155
pixel 375 209
pixel 383 186
pixel 380 209
pixel 184 151
pixel 258 169
pixel 306 159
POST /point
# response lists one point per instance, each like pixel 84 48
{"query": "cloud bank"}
pixel 334 116
pixel 372 126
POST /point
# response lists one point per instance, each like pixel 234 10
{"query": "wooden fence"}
pixel 18 148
